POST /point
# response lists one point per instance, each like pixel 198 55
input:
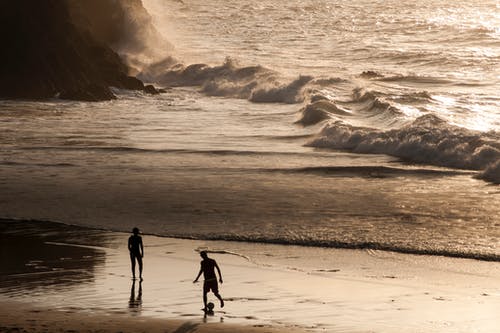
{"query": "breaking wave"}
pixel 386 129
pixel 391 115
pixel 428 140
pixel 362 103
pixel 320 109
pixel 254 83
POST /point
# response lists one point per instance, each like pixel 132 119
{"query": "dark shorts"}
pixel 135 255
pixel 210 285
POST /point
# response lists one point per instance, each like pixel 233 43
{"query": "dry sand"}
pixel 56 278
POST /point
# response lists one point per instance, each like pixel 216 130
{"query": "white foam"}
pixel 428 140
pixel 254 83
pixel 292 92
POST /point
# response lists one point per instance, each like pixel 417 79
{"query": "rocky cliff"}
pixel 60 48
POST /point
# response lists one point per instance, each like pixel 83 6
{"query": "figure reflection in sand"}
pixel 135 303
pixel 136 250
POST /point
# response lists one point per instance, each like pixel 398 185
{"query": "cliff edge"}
pixel 48 52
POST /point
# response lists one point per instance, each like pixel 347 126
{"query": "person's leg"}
pixel 205 300
pixel 215 290
pixel 206 289
pixel 139 260
pixel 220 299
pixel 132 261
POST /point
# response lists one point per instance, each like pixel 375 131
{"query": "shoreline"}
pixel 335 245
pixel 85 273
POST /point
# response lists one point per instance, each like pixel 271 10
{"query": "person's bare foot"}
pixel 221 303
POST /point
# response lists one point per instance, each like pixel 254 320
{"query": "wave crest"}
pixel 288 93
pixel 254 83
pixel 428 140
pixel 318 110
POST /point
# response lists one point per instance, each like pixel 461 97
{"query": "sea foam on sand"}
pixel 60 278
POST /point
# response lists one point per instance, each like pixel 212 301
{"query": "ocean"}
pixel 351 124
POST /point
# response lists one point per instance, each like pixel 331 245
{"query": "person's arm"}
pixel 129 243
pixel 218 270
pixel 142 247
pixel 199 274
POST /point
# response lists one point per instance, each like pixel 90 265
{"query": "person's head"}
pixel 203 254
pixel 135 231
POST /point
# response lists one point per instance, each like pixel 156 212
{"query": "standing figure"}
pixel 136 250
pixel 208 266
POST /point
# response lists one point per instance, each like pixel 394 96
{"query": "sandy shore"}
pixel 57 278
pixel 20 317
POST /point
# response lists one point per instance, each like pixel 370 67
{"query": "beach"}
pixel 339 159
pixel 76 279
pixel 34 319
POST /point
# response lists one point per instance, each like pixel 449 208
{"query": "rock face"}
pixel 46 52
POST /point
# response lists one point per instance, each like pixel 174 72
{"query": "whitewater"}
pixel 366 124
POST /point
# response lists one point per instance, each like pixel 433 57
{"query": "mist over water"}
pixel 370 124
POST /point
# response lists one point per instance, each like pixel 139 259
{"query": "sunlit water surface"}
pixel 189 165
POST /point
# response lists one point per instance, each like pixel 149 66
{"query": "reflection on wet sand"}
pixel 32 256
pixel 135 302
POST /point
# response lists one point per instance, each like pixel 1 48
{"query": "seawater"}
pixel 382 72
pixel 367 124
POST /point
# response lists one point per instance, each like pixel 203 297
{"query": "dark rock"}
pixel 151 90
pixel 91 93
pixel 130 82
pixel 45 54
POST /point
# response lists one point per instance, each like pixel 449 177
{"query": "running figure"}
pixel 136 251
pixel 208 266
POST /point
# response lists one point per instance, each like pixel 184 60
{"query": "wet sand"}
pixel 23 318
pixel 55 277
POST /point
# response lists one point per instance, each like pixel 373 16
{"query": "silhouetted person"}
pixel 208 266
pixel 136 250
